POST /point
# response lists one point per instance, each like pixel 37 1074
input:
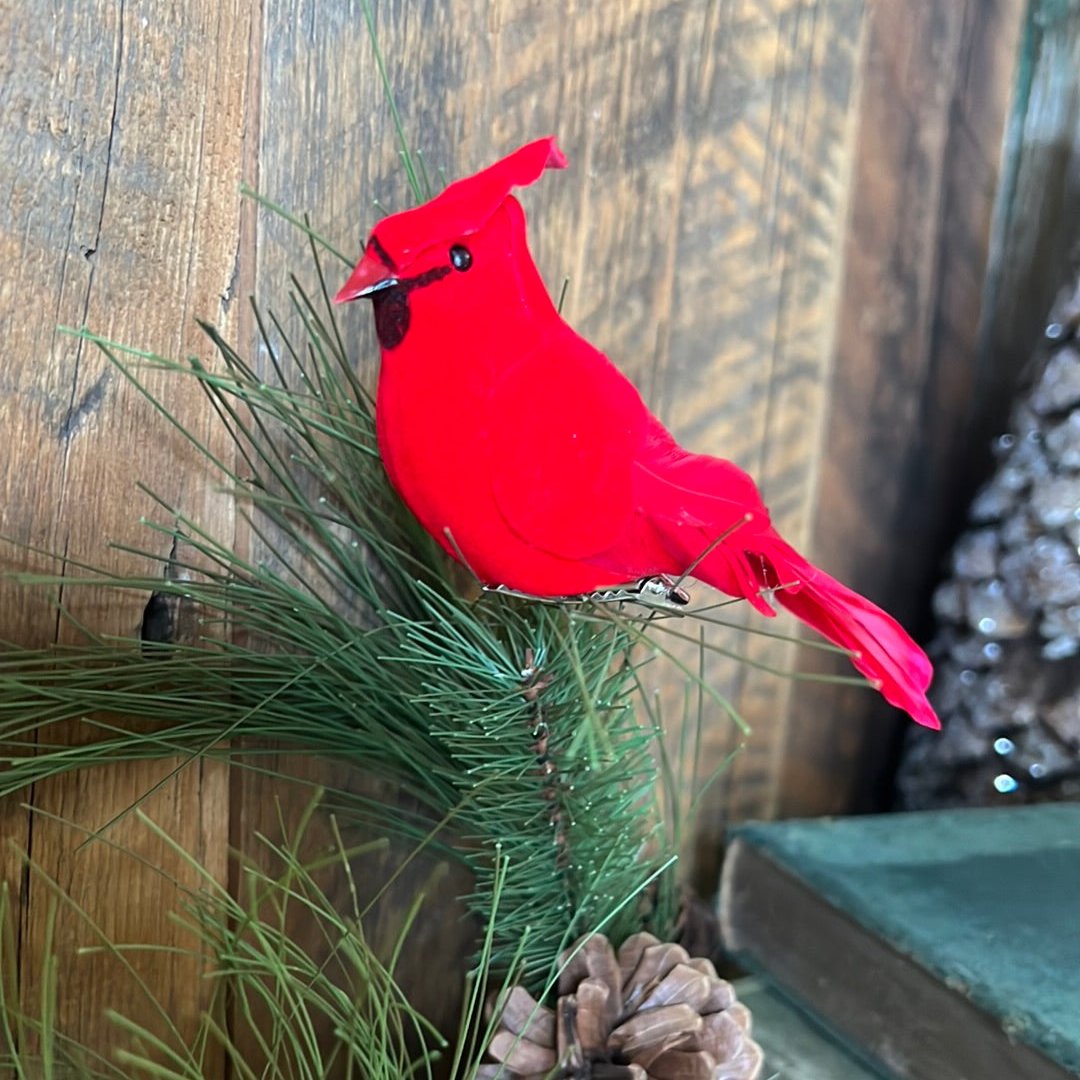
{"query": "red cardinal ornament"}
pixel 529 456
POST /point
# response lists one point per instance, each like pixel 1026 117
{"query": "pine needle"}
pixel 510 722
pixel 343 1005
pixel 346 637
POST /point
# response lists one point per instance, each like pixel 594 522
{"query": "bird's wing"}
pixel 689 486
pixel 564 427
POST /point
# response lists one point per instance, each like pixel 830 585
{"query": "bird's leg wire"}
pixel 658 591
pixel 663 588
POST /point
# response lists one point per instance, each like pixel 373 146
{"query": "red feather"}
pixel 525 452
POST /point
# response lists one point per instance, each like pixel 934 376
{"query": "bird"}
pixel 535 462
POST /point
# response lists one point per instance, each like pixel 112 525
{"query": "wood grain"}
pixel 937 82
pixel 776 220
pixel 700 223
pixel 1037 220
pixel 120 168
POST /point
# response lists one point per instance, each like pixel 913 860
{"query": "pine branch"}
pixel 348 637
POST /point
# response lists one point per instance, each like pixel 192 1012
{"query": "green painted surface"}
pixel 987 900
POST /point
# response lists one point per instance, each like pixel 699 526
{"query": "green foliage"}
pixel 345 632
pixel 276 1010
pixel 348 635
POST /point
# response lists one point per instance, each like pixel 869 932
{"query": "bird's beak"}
pixel 369 277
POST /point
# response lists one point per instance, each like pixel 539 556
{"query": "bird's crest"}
pixel 467 204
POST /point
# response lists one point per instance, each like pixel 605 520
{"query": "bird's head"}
pixel 461 244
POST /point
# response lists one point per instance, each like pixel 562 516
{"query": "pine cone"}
pixel 1007 649
pixel 648 1013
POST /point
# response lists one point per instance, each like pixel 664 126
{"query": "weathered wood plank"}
pixel 937 78
pixel 700 223
pixel 783 298
pixel 119 173
pixel 1037 217
pixel 326 146
pixel 711 196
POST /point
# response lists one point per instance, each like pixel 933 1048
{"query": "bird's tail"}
pixel 880 648
pixel 694 497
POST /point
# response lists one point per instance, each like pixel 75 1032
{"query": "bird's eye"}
pixel 460 257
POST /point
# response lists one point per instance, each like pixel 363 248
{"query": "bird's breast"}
pixel 431 421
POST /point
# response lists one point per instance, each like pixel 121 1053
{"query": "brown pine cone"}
pixel 649 1012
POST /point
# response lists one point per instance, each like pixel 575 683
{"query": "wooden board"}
pixel 119 171
pixel 937 78
pixel 700 225
pixel 1037 215
pixel 776 215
